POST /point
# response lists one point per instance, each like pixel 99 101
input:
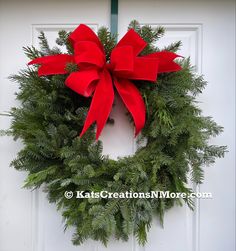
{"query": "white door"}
pixel 27 221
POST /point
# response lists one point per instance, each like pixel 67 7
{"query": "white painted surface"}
pixel 213 225
pixel 27 221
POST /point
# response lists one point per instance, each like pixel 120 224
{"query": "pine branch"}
pixel 32 52
pixel 173 47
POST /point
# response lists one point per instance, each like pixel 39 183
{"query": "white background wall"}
pixel 207 29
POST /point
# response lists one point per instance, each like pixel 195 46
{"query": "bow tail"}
pixel 50 65
pixel 133 102
pixel 166 61
pixel 101 104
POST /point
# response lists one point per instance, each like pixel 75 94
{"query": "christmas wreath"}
pixel 62 95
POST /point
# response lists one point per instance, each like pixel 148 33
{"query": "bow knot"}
pixel 98 78
pixel 109 67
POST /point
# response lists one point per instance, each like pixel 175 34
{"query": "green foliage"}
pixel 51 117
pixel 62 40
pixel 108 40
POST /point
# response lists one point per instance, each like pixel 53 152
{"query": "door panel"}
pixel 180 223
pixel 203 29
pixel 27 221
pixel 207 30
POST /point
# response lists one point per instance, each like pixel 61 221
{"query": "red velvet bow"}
pixel 96 76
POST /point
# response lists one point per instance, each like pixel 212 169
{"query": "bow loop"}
pixel 132 39
pixel 84 33
pixel 83 82
pixel 87 52
pixel 122 59
pixel 144 69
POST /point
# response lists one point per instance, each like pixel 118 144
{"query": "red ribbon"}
pixel 96 76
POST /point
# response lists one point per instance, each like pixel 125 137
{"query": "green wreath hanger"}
pixel 52 115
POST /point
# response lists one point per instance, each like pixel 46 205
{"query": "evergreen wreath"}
pixel 51 117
